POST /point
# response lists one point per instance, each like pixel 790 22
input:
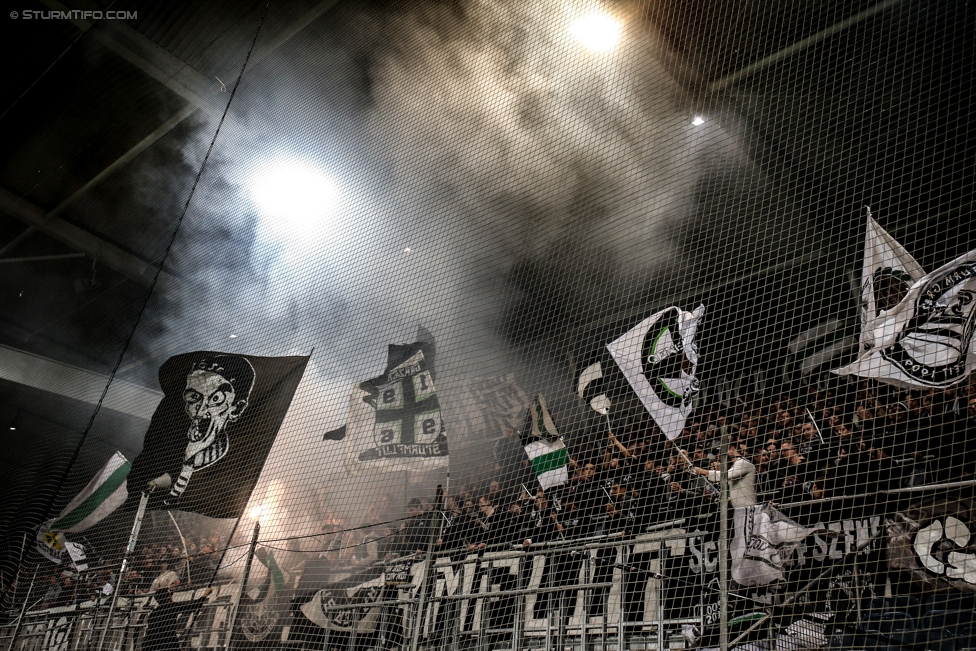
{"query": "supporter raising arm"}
pixel 741 475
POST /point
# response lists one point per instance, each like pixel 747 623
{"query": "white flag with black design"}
pixel 659 358
pixel 589 387
pixel 763 544
pixel 76 552
pixel 933 543
pixel 926 341
pixel 888 273
pixel 394 420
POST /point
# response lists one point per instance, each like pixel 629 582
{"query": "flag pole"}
pixel 814 421
pixel 186 552
pixel 133 537
pixel 613 439
pixel 704 478
pixel 240 591
pixel 432 536
pixel 723 545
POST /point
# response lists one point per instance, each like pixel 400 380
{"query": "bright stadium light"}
pixel 597 31
pixel 698 121
pixel 294 196
pixel 256 512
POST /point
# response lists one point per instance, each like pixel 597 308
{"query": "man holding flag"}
pixel 163 623
pixel 741 476
pixel 205 447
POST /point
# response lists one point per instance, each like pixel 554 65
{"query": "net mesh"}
pixel 486 322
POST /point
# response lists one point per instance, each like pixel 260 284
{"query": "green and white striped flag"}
pixel 278 576
pixel 104 493
pixel 544 446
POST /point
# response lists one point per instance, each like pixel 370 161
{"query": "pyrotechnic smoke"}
pixel 495 181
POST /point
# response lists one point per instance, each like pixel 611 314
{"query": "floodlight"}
pixel 597 31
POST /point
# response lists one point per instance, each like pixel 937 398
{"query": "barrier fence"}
pixel 656 590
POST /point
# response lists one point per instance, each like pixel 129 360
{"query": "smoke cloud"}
pixel 496 182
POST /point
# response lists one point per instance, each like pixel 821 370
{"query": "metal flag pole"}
pixel 133 537
pixel 723 546
pixel 23 611
pixel 704 478
pixel 240 591
pixel 432 536
pixel 815 426
pixel 186 552
pixel 613 439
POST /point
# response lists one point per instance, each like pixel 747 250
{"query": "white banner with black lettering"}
pixel 926 340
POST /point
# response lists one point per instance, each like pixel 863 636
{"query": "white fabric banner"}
pixel 77 554
pixel 395 420
pixel 926 340
pixel 889 271
pixel 763 545
pixel 659 358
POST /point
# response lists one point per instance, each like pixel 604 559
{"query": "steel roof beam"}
pixel 155 61
pixel 108 254
pixel 124 159
pixel 12 244
pixel 62 379
pixel 799 46
pixel 175 74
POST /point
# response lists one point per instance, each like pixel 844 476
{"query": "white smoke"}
pixel 484 137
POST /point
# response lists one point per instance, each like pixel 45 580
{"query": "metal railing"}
pixel 600 592
pixel 543 596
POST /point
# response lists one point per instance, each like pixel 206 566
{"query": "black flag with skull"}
pixel 212 431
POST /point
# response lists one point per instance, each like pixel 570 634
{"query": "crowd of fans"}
pixel 160 565
pixel 828 440
pixel 825 440
pixel 155 565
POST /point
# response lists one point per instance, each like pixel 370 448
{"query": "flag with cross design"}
pixel 394 420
